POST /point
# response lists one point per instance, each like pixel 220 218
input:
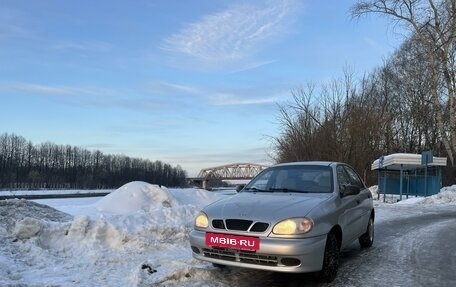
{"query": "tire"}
pixel 330 260
pixel 367 239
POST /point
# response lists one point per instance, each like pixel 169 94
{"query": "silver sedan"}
pixel 292 217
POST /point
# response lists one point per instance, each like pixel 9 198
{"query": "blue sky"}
pixel 194 83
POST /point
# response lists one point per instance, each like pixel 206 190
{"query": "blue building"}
pixel 409 174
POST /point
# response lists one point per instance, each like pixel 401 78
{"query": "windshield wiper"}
pixel 288 190
pixel 255 189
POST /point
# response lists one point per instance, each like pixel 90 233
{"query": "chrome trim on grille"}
pixel 240 225
pixel 239 256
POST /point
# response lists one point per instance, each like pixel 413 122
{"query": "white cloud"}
pixel 251 66
pixel 231 35
pixel 49 90
pixel 85 46
pixel 163 87
pixel 10 24
pixel 377 47
pixel 12 31
pixel 222 99
pixel 218 97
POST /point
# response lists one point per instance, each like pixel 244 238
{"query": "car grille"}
pixel 259 227
pixel 244 257
pixel 240 225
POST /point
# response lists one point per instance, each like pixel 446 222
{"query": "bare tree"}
pixel 433 24
pixel 47 165
pixel 333 122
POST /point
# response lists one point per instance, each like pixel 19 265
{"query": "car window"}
pixel 342 178
pixel 294 178
pixel 354 178
pixel 261 181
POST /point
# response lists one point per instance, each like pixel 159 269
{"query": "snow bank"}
pixel 137 215
pixel 15 210
pixel 136 196
pixel 135 236
pixel 27 228
pixel 447 195
pixel 374 190
pixel 20 193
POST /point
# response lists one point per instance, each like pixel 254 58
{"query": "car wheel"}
pixel 367 239
pixel 330 260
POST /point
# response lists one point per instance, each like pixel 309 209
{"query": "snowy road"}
pixel 413 251
pixel 417 250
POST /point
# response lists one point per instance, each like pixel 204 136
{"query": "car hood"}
pixel 260 206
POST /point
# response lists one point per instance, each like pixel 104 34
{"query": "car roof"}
pixel 296 163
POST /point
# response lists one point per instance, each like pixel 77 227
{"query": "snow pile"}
pixel 447 195
pixel 196 197
pixel 374 190
pixel 15 210
pixel 139 214
pixel 27 228
pixel 149 212
pixel 48 192
pixel 131 237
pixel 135 196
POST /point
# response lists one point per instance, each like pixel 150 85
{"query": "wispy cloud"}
pixel 221 99
pixel 84 46
pixel 251 66
pixel 230 35
pixel 94 97
pixel 11 26
pixel 99 146
pixel 161 87
pixel 215 97
pixel 377 47
pixel 12 31
pixel 50 90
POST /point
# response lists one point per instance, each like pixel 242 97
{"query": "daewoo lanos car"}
pixel 292 217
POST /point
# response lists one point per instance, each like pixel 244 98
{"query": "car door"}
pixel 363 207
pixel 349 208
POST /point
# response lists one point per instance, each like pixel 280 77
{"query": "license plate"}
pixel 232 241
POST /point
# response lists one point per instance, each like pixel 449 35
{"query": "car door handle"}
pixel 358 201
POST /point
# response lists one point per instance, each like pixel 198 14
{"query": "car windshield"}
pixel 295 178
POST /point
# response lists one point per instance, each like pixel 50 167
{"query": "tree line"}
pixel 24 165
pixel 408 104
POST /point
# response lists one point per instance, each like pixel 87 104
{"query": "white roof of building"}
pixel 409 161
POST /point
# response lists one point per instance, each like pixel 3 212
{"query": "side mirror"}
pixel 240 187
pixel 351 190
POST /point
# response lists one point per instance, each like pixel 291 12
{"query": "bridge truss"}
pixel 230 172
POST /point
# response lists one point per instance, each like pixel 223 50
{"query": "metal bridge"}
pixel 228 172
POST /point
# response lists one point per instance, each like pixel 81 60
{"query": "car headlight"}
pixel 201 221
pixel 292 226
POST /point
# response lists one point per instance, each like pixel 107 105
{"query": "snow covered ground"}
pixel 135 236
pixel 52 191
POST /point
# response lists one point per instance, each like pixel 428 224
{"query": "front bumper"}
pixel 275 254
